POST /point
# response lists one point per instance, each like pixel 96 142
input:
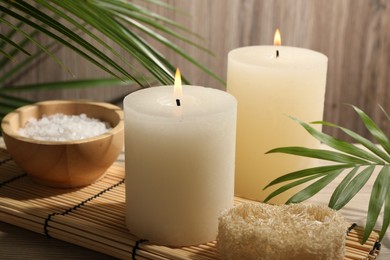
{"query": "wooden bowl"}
pixel 65 164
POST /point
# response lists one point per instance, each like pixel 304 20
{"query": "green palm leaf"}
pixel 10 103
pixel 294 184
pixel 19 66
pixel 315 187
pixel 361 140
pixel 341 187
pixel 28 36
pixel 35 13
pixel 320 154
pixel 118 20
pixel 386 216
pixel 307 172
pixel 376 132
pixel 378 195
pixel 353 187
pixel 79 26
pixel 360 164
pixel 70 84
pixel 345 146
pixel 8 40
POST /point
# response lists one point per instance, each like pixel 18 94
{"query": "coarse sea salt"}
pixel 60 127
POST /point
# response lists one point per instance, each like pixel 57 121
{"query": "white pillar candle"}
pixel 179 163
pixel 269 88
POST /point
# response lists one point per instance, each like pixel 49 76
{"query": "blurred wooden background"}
pixel 354 34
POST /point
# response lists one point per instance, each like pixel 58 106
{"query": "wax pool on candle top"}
pixel 179 163
pixel 268 90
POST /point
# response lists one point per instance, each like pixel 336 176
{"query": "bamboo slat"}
pixel 93 217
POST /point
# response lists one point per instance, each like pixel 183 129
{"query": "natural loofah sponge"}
pixel 296 231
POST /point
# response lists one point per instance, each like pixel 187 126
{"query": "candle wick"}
pixel 178 102
pixel 277 53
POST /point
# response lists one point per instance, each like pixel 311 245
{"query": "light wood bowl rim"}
pixel 7 129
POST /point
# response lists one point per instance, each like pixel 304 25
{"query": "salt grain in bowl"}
pixel 60 127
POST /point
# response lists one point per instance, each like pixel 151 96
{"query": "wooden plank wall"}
pixel 354 34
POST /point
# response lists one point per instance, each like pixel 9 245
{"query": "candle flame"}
pixel 277 38
pixel 177 89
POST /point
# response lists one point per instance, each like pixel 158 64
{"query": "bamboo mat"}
pixel 93 217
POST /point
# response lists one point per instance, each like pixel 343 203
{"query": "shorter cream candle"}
pixel 179 163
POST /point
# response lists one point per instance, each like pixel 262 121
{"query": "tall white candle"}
pixel 270 84
pixel 179 163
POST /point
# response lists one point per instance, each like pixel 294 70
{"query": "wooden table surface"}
pixel 18 243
